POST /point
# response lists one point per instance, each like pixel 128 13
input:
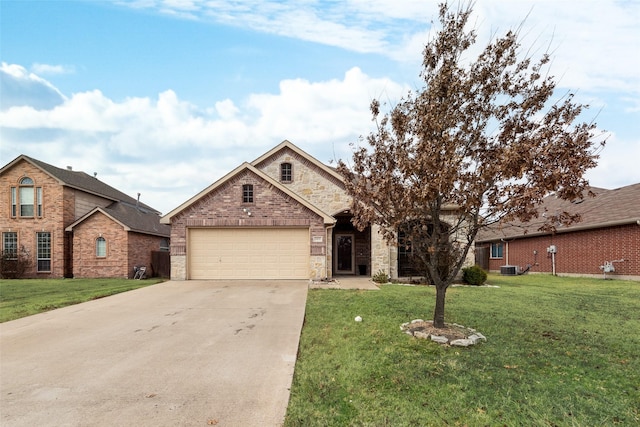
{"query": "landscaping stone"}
pixel 453 334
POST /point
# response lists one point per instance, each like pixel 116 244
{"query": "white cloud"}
pixel 43 69
pixel 168 149
pixel 20 88
pixel 592 42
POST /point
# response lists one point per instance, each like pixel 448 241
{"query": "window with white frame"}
pixel 10 244
pixel 101 247
pixel 496 250
pixel 26 199
pixel 44 251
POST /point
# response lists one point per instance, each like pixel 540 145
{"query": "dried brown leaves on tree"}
pixel 481 141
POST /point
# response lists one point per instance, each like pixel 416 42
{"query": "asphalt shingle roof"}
pixel 130 212
pixel 608 208
pixel 142 221
pixel 83 181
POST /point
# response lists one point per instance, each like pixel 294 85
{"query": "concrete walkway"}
pixel 191 353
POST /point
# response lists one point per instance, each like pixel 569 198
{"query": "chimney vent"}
pixel 69 168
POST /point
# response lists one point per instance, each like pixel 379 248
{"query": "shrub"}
pixel 380 277
pixel 474 275
pixel 13 265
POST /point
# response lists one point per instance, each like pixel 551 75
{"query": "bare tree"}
pixel 480 142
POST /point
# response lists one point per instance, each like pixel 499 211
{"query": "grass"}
pixel 24 297
pixel 560 352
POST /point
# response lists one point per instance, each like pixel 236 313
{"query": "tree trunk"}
pixel 438 313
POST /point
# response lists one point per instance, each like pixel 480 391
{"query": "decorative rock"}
pixel 420 334
pixel 438 339
pixel 418 331
pixel 476 338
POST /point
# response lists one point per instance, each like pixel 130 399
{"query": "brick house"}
pixel 284 215
pixel 608 235
pixel 72 224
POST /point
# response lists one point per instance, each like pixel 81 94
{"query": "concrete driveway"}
pixel 193 353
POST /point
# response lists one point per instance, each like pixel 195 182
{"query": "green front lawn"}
pixel 560 352
pixel 24 297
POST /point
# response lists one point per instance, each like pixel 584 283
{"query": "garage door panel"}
pixel 248 253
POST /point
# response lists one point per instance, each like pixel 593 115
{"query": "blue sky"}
pixel 163 97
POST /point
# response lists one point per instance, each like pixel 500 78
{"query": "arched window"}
pixel 101 247
pixel 286 174
pixel 26 199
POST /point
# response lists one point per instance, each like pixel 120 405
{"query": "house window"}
pixel 44 251
pixel 10 244
pixel 14 202
pixel 496 250
pixel 247 193
pixel 26 200
pixel 39 201
pixel 285 172
pixel 101 247
pixel 164 245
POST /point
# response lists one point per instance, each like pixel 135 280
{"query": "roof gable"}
pixel 287 145
pixel 131 218
pixel 166 219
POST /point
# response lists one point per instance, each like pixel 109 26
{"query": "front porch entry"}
pixel 351 248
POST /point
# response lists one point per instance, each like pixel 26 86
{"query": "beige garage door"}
pixel 248 253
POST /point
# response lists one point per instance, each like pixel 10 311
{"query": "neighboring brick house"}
pixel 72 224
pixel 608 234
pixel 284 215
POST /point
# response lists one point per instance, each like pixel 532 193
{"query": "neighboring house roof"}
pixel 80 181
pixel 127 211
pixel 131 218
pixel 328 219
pixel 608 208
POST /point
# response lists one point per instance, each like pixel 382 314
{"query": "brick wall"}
pixel 223 207
pixel 140 247
pixel 86 263
pixel 580 252
pixel 53 220
pixel 125 249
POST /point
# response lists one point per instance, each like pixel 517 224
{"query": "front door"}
pixel 345 263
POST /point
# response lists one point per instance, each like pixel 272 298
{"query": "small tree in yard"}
pixel 478 143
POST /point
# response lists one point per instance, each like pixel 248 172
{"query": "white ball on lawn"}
pixel 358 319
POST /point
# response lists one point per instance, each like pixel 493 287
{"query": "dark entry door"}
pixel 344 251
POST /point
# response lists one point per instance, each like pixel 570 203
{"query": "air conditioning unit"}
pixel 509 270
